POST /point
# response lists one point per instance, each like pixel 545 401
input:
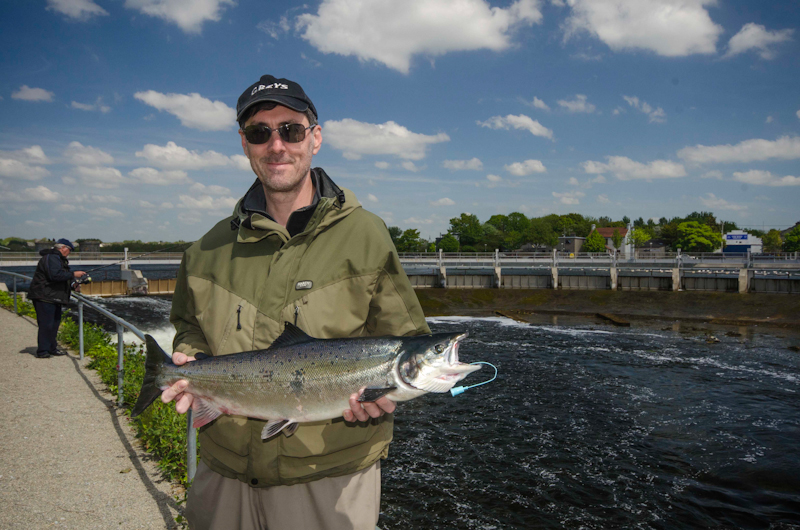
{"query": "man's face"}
pixel 281 166
pixel 64 251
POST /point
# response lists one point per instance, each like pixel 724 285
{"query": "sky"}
pixel 117 117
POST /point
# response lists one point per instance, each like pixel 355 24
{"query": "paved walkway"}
pixel 68 459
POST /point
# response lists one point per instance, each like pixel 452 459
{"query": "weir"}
pixel 641 271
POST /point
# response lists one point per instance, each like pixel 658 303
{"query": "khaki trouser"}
pixel 350 502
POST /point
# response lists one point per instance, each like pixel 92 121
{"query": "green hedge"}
pixel 23 307
pixel 161 429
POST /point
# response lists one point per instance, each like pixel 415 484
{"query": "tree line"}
pixel 697 232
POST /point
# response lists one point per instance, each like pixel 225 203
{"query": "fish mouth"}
pixel 455 370
pixel 452 355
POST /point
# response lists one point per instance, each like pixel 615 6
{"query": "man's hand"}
pixel 176 392
pixel 79 274
pixel 363 411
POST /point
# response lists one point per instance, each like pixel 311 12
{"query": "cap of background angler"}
pixel 281 91
pixel 66 242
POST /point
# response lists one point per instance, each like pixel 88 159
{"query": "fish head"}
pixel 430 362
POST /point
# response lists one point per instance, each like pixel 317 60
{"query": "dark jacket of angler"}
pixel 302 379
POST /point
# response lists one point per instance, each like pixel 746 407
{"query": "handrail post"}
pixel 191 446
pixel 120 374
pixel 15 296
pixel 80 327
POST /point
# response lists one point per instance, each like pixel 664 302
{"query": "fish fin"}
pixel 204 412
pixel 273 427
pixel 374 394
pixel 154 361
pixel 291 336
pixel 434 385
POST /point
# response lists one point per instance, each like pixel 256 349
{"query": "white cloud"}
pixel 206 202
pixel 382 165
pixel 27 93
pixel 765 178
pixel 80 155
pixel 189 15
pixel 97 105
pixel 517 122
pixel 76 9
pixel 193 110
pixel 372 198
pixel 570 197
pixel 415 221
pixel 785 148
pixel 538 104
pixel 444 201
pixel 494 180
pixel 626 169
pixel 656 115
pixel 212 189
pixel 579 104
pixel 147 205
pixel 798 113
pixel 241 162
pixel 672 28
pixel 769 119
pixel 603 199
pixel 713 174
pixel 573 181
pixel 356 139
pixel 148 175
pixel 37 194
pixel 757 37
pixel 410 166
pixel 520 169
pixel 392 32
pixel 172 156
pixel 16 169
pixel 473 164
pixel 100 177
pixel 28 155
pixel 716 203
pixel 105 212
pixel 275 29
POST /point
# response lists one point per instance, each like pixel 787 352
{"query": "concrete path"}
pixel 68 459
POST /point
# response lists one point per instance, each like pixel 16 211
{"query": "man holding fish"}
pixel 302 250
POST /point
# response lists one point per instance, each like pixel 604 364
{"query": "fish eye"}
pixel 439 348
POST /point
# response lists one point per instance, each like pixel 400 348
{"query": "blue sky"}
pixel 117 117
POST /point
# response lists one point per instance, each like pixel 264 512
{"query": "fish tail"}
pixel 153 365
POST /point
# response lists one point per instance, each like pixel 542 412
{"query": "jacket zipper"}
pixel 296 312
pixel 239 317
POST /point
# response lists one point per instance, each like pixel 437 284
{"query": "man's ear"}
pixel 317 133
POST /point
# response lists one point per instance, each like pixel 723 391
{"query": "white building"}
pixel 741 241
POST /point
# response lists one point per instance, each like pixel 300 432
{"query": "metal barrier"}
pixel 191 433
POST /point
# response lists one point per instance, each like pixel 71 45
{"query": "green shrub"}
pixel 23 307
pixel 161 429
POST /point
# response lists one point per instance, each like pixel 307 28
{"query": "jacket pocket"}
pixel 228 440
pixel 233 324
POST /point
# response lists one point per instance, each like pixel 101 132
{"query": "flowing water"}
pixel 593 427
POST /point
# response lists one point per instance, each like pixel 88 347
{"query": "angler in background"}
pixel 50 288
pixel 297 249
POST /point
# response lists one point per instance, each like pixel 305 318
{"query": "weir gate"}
pixel 642 271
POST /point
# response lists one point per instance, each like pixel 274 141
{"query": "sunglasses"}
pixel 289 132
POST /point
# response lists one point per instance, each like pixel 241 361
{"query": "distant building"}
pixel 43 244
pixel 608 233
pixel 739 241
pixel 90 245
pixel 654 246
pixel 570 244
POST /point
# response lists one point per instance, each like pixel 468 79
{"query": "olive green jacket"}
pixel 340 277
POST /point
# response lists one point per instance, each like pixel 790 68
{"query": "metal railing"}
pixel 191 434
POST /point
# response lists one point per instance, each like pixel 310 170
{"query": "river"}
pixel 593 427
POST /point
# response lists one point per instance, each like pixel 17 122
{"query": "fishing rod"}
pixel 86 278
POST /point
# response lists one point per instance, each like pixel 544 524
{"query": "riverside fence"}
pixel 122 325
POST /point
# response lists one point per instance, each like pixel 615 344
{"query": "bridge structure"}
pixel 647 271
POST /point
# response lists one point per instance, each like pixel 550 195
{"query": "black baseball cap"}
pixel 281 91
pixel 66 242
